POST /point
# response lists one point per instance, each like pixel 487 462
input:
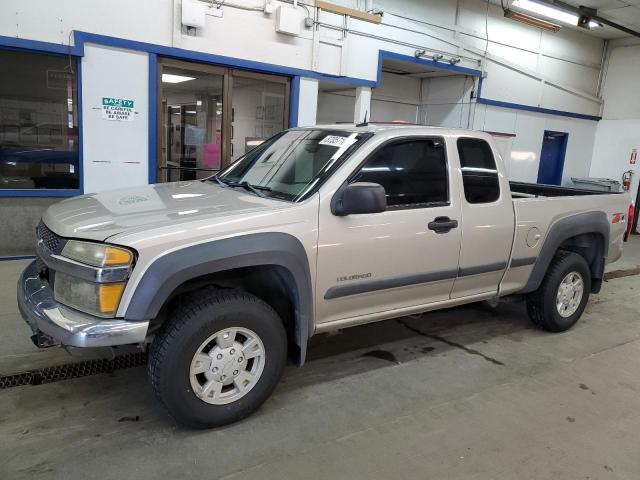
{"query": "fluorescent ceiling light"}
pixel 531 20
pixel 550 12
pixel 170 78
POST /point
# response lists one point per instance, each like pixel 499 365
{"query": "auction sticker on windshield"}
pixel 333 140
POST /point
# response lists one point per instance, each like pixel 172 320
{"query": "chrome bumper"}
pixel 70 327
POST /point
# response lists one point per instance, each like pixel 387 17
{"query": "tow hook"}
pixel 41 340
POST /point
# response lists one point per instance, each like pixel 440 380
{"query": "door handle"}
pixel 442 224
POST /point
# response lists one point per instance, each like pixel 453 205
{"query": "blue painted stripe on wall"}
pixel 9 258
pixel 39 193
pixel 529 108
pixel 294 100
pixel 80 123
pixel 153 117
pixel 36 45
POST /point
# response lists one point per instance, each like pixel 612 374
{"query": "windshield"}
pixel 293 163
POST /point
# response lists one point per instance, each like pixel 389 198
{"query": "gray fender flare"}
pixel 169 271
pixel 563 229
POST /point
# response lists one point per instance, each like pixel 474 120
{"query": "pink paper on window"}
pixel 211 157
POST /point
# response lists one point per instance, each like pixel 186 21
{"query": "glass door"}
pixel 210 116
pixel 260 105
pixel 192 120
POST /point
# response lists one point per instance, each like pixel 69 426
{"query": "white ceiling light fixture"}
pixel 550 12
pixel 171 78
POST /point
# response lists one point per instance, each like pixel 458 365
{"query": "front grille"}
pixel 50 240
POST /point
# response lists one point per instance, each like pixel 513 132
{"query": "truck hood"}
pixel 98 216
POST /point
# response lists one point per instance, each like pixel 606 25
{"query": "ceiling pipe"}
pixel 590 13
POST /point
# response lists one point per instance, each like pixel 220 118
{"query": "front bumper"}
pixel 66 326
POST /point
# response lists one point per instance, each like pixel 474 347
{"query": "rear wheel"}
pixel 218 358
pixel 563 294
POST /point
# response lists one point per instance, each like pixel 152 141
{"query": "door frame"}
pixel 563 153
pixel 227 108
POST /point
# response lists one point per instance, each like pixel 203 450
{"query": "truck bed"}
pixel 538 207
pixel 529 190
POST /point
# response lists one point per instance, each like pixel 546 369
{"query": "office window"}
pixel 38 121
pixel 479 174
pixel 412 172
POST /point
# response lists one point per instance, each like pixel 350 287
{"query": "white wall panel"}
pixel 578 76
pixel 51 21
pixel 620 92
pixel 334 108
pixel 572 44
pixel 507 85
pixel 529 127
pixel 382 111
pixel 614 141
pixel 619 131
pixel 115 153
pixel 308 98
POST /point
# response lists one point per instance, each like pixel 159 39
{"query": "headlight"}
pixel 100 299
pixel 97 254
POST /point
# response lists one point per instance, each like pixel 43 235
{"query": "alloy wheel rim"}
pixel 569 296
pixel 227 365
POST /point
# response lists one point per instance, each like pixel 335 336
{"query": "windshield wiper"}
pixel 217 179
pixel 257 189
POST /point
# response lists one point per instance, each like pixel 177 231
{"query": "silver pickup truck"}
pixel 317 229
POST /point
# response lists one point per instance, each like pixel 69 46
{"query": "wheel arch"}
pixel 277 255
pixel 586 234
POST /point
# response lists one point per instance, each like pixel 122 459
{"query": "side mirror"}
pixel 360 197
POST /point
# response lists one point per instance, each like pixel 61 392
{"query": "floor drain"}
pixel 73 370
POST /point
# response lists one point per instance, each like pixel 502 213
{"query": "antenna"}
pixel 364 122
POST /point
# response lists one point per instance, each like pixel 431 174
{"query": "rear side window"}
pixel 479 174
pixel 412 172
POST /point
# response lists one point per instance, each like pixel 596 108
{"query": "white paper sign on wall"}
pixel 118 109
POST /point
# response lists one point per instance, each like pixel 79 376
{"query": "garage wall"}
pixel 397 99
pixel 618 133
pixel 528 127
pixel 524 64
pixel 115 152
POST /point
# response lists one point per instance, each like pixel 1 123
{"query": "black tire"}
pixel 199 317
pixel 541 304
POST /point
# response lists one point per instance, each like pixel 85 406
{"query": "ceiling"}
pixel 623 12
pixel 391 65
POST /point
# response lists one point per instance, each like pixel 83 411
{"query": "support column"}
pixel 363 104
pixel 303 102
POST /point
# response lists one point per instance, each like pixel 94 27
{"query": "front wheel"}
pixel 563 294
pixel 218 358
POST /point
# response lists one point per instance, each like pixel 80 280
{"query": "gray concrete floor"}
pixel 468 393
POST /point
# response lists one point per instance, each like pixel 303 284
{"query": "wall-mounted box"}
pixel 193 13
pixel 288 20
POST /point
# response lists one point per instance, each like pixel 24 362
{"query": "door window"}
pixel 212 116
pixel 259 109
pixel 192 103
pixel 479 173
pixel 38 122
pixel 412 172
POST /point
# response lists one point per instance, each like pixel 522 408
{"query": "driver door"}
pixel 372 263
